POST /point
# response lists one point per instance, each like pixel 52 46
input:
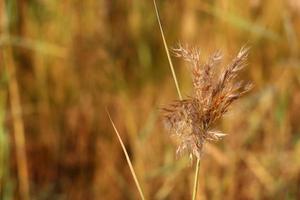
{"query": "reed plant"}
pixel 191 120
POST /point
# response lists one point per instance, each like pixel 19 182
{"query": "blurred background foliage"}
pixel 74 58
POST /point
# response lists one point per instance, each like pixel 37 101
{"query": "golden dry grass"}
pixel 74 59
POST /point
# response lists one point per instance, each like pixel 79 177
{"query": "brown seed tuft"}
pixel 191 119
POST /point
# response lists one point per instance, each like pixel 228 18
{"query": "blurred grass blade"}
pixel 34 45
pixel 5 181
pixel 241 23
pixel 127 157
pixel 246 25
pixel 167 51
pixel 18 124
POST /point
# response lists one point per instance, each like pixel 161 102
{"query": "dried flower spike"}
pixel 191 119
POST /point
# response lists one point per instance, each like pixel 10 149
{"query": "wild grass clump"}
pixel 192 119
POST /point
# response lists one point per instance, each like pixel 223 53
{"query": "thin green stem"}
pixel 167 51
pixel 127 158
pixel 196 179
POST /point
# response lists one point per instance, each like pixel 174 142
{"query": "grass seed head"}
pixel 191 119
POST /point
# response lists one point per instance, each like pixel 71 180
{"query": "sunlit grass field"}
pixel 63 63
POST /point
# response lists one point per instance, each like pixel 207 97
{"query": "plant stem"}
pixel 178 91
pixel 167 51
pixel 16 110
pixel 196 179
pixel 127 158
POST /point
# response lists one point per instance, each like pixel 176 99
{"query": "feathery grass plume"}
pixel 191 119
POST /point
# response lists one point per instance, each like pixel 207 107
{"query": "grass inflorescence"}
pixel 192 119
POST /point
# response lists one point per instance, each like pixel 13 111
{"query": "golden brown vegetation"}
pixel 73 59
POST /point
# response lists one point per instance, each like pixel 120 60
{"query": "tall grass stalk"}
pixel 16 110
pixel 127 158
pixel 18 125
pixel 167 51
pixel 178 91
pixel 195 189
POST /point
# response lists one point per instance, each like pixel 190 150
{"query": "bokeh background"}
pixel 63 62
